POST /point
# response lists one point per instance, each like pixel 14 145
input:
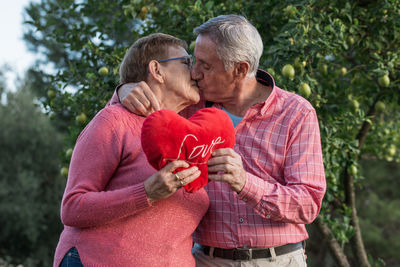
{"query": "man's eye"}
pixel 206 67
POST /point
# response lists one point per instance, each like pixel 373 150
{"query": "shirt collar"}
pixel 266 79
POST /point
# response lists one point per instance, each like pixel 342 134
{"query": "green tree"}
pixel 339 50
pixel 30 185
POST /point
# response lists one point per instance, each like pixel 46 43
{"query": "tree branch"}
pixel 334 246
pixel 356 241
pixel 362 134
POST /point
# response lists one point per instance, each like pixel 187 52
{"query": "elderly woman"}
pixel 116 210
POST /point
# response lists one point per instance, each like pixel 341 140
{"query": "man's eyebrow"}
pixel 202 61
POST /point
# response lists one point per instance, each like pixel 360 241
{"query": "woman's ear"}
pixel 241 69
pixel 155 71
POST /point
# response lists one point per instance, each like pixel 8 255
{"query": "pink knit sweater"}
pixel 105 211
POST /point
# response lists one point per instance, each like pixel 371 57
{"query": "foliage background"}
pixel 339 48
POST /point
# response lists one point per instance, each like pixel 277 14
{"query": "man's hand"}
pixel 138 98
pixel 226 166
pixel 164 183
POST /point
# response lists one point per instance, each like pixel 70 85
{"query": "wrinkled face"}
pixel 177 79
pixel 213 80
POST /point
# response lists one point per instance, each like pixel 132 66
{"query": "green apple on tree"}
pixel 68 153
pixel 143 12
pixel 343 71
pixel 323 69
pixel 380 106
pixel 144 9
pixel 305 90
pixel 103 71
pixel 391 151
pixel 384 80
pixel 81 118
pixel 64 171
pixel 51 93
pixel 288 71
pixel 352 170
pixel 271 71
pixel 350 40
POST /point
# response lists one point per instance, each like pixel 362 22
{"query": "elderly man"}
pixel 264 191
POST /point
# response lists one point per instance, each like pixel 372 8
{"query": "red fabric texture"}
pixel 167 136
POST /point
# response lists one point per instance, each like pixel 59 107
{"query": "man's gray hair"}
pixel 236 39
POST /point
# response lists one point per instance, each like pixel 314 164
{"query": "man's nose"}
pixel 194 73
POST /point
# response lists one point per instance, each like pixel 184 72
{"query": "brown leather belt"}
pixel 250 253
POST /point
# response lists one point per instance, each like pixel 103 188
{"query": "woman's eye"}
pixel 187 62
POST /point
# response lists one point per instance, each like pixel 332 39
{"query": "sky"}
pixel 13 50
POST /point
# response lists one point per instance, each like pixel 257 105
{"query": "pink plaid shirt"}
pixel 279 142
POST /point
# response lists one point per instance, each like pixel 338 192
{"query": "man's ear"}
pixel 155 71
pixel 241 69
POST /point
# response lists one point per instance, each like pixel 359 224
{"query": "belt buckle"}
pixel 248 253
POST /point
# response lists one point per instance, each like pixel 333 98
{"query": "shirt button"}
pixel 241 220
pixel 268 216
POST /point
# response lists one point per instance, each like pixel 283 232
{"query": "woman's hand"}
pixel 164 183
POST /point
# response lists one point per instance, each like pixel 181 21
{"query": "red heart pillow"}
pixel 167 136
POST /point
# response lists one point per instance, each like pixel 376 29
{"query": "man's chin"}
pixel 209 97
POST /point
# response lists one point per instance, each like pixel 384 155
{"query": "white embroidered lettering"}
pixel 203 149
